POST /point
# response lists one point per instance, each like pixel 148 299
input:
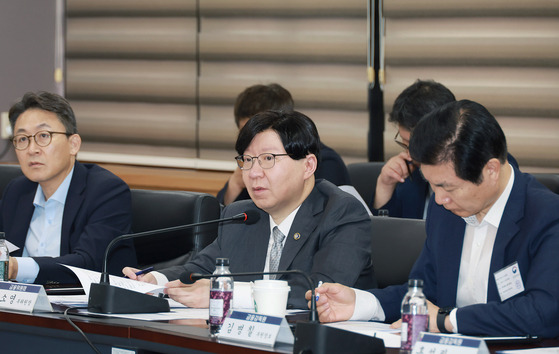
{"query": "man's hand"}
pixel 146 278
pixel 336 302
pixel 393 172
pixel 234 187
pixel 12 268
pixel 192 295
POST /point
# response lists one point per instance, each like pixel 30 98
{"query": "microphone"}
pixel 189 278
pixel 311 337
pixel 104 298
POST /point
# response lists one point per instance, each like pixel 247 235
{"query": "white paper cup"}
pixel 270 298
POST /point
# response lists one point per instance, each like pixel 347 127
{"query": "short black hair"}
pixel 461 132
pixel 297 132
pixel 46 101
pixel 260 98
pixel 417 100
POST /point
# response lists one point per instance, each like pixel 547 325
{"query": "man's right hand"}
pixel 131 273
pixel 336 302
pixel 234 187
pixel 393 172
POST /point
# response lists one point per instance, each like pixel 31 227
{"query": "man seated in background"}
pixel 400 188
pixel 489 263
pixel 60 211
pixel 313 225
pixel 260 98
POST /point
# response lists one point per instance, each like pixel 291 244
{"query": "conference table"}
pixel 49 332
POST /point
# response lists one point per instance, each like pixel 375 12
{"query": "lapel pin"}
pixel 296 236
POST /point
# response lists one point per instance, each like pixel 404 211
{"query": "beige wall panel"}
pixel 141 37
pixel 167 81
pixel 434 8
pixel 127 122
pixel 284 7
pixel 130 7
pixel 285 40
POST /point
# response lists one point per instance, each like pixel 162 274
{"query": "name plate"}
pixel 23 297
pixel 437 343
pixel 256 328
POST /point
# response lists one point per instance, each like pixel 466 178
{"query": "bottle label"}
pixel 4 270
pixel 220 303
pixel 412 325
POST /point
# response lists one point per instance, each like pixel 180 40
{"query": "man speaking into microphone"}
pixel 307 225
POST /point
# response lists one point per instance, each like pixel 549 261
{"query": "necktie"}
pixel 277 247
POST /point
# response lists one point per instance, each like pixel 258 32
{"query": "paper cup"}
pixel 270 297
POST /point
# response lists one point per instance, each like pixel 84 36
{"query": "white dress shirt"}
pixel 45 230
pixel 475 262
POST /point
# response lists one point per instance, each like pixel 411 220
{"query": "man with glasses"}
pixel 60 211
pixel 305 224
pixel 400 188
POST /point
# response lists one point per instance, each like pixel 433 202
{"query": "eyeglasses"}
pixel 402 145
pixel 266 160
pixel 42 138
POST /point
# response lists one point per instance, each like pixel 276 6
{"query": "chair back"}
pixel 395 246
pixel 550 180
pixel 154 209
pixel 7 173
pixel 363 176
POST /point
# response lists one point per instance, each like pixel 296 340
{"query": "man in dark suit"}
pixel 326 231
pixel 490 261
pixel 260 98
pixel 60 211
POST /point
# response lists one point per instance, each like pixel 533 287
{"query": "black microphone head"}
pixel 252 216
pixel 186 278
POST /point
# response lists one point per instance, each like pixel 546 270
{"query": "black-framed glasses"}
pixel 401 144
pixel 266 160
pixel 42 138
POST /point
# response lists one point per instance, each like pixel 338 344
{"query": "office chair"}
pixel 7 173
pixel 550 180
pixel 395 246
pixel 363 176
pixel 154 209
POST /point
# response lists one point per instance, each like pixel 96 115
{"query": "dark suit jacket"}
pixel 408 199
pixel 528 234
pixel 334 243
pixel 97 210
pixel 331 167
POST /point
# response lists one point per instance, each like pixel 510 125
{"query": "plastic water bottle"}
pixel 4 258
pixel 415 316
pixel 221 295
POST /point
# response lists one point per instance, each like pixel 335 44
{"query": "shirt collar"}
pixel 285 225
pixel 496 211
pixel 59 195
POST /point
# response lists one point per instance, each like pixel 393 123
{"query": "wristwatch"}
pixel 441 316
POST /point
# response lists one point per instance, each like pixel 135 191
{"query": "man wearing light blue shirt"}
pixel 60 211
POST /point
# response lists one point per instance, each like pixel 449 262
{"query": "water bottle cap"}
pixel 413 283
pixel 222 262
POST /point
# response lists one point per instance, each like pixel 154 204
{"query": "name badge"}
pixel 23 297
pixel 256 328
pixel 437 343
pixel 509 281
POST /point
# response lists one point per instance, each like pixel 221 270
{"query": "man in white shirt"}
pixel 490 262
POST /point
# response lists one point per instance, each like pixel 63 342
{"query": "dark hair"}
pixel 297 132
pixel 260 98
pixel 47 102
pixel 463 133
pixel 417 100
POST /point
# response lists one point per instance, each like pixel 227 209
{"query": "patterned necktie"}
pixel 275 254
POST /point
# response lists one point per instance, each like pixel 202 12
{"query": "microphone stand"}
pixel 105 298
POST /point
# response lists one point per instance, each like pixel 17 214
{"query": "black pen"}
pixel 144 271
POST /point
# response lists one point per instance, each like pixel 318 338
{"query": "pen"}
pixel 317 294
pixel 408 163
pixel 144 271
